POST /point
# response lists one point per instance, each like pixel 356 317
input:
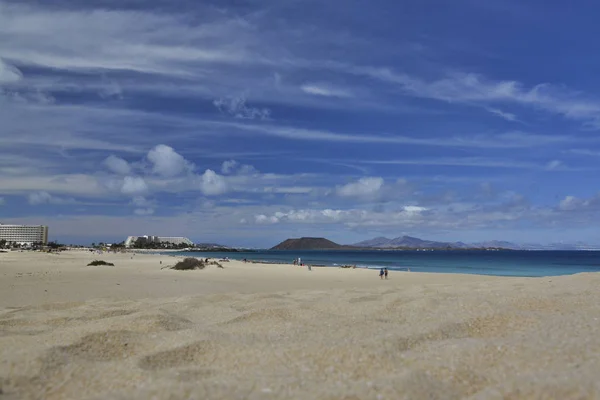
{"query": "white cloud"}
pixel 263 219
pixel 75 184
pixel 554 165
pixel 473 89
pixel 143 211
pixel 506 115
pixel 141 201
pixel 350 217
pixel 143 206
pixel 9 73
pixel 43 197
pixel 414 209
pixel 290 190
pixel 233 167
pixel 570 203
pixel 246 169
pixel 110 90
pixel 212 184
pixel 463 162
pixel 505 140
pixel 117 165
pixel 363 187
pixel 584 152
pixel 133 185
pixel 237 108
pixel 229 167
pixel 324 90
pixel 166 162
pixel 136 41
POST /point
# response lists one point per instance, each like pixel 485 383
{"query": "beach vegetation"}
pixel 100 262
pixel 191 263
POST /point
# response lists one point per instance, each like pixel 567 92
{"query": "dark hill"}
pixel 307 243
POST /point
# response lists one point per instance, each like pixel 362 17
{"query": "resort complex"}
pixel 24 234
pixel 176 240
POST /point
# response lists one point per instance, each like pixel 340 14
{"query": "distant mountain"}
pixel 499 244
pixel 410 242
pixel 210 245
pixel 561 246
pixel 307 243
pixel 377 242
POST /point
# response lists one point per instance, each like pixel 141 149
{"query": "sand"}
pixel 254 331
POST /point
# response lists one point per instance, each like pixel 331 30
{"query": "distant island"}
pixel 308 243
pixel 402 243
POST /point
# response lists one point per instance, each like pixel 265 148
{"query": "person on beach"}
pixel 381 273
pixel 386 272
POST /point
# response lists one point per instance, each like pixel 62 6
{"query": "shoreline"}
pixel 173 253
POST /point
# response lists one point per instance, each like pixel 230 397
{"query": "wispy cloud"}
pixel 585 152
pixel 478 162
pixel 118 39
pixel 9 73
pixel 473 88
pixel 38 198
pixel 505 140
pixel 320 89
pixel 237 108
pixel 506 115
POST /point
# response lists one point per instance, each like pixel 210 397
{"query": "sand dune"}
pixel 281 332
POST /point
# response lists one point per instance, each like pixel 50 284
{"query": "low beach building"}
pixel 24 234
pixel 176 240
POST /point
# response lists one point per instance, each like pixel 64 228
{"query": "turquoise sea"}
pixel 502 263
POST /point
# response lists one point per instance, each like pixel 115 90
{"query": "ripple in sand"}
pixel 269 314
pixel 497 325
pixel 101 346
pixel 364 299
pixel 162 322
pixel 107 314
pixel 201 353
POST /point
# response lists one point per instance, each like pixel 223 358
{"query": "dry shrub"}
pixel 188 264
pixel 100 262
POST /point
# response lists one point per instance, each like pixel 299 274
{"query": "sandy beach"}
pixel 258 331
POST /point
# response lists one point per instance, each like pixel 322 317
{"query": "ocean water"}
pixel 501 263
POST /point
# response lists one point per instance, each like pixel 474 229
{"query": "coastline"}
pixel 271 331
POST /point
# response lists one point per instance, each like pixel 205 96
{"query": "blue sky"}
pixel 247 122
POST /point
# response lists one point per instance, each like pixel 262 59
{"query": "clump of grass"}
pixel 100 262
pixel 191 263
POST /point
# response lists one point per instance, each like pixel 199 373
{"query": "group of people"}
pixel 298 261
pixel 383 272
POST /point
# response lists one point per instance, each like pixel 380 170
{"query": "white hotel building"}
pixel 158 239
pixel 24 234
